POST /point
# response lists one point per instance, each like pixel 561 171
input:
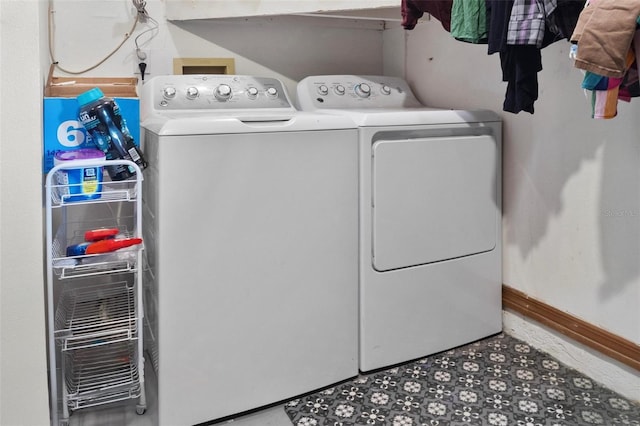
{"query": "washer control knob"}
pixel 363 90
pixel 323 90
pixel 386 90
pixel 272 92
pixel 192 92
pixel 169 92
pixel 222 92
pixel 252 92
pixel 339 89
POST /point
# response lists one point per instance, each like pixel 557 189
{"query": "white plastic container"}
pixel 79 184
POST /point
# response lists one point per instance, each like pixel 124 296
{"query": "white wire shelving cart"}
pixel 94 302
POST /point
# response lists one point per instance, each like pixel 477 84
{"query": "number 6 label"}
pixel 71 133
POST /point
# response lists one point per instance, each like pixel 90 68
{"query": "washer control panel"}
pixel 353 91
pixel 213 93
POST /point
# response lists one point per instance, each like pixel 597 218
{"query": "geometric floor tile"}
pixel 498 381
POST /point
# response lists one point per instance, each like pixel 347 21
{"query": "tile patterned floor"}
pixel 499 381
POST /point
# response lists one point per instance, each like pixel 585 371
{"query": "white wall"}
pixel 288 48
pixel 571 183
pixel 23 374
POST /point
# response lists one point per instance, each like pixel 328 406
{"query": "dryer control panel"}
pixel 213 92
pixel 355 91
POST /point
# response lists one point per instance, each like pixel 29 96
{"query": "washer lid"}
pixel 434 199
pixel 243 122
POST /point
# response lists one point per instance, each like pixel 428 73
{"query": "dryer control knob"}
pixel 169 92
pixel 272 92
pixel 192 92
pixel 339 89
pixel 363 90
pixel 386 90
pixel 323 90
pixel 222 92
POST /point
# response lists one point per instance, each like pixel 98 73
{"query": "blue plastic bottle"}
pixel 101 117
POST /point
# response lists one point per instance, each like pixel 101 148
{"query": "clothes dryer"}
pixel 430 217
pixel 251 233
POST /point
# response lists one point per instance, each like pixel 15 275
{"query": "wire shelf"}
pixel 66 267
pixel 67 194
pixel 96 376
pixel 96 315
pixel 123 261
pixel 96 326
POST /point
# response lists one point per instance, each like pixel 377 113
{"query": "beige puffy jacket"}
pixel 604 33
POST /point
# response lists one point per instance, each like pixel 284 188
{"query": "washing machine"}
pixel 430 217
pixel 251 238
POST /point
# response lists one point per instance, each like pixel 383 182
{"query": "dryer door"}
pixel 433 199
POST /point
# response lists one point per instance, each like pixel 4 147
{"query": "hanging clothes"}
pixel 520 63
pixel 605 92
pixel 518 29
pixel 498 14
pixel 530 23
pixel 412 10
pixel 527 23
pixel 564 18
pixel 603 33
pixel 469 21
pixel 520 68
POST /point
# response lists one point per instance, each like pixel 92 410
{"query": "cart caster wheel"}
pixel 140 410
